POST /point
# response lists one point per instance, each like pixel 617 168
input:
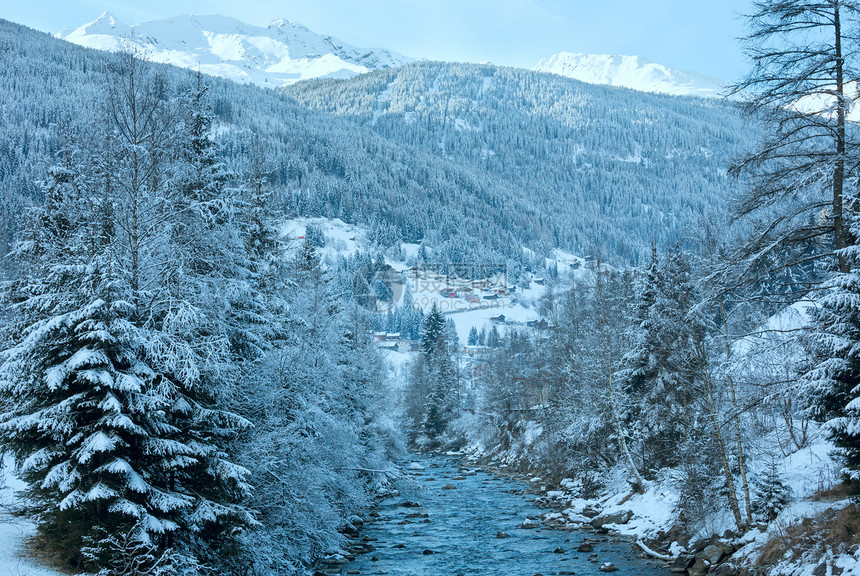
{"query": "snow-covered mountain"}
pixel 630 72
pixel 282 53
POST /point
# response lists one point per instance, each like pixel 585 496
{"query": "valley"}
pixel 272 303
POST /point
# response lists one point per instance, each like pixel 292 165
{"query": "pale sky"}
pixel 691 35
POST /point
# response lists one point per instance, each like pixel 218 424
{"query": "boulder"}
pixel 622 517
pixel 697 546
pixel 528 523
pixel 724 569
pixel 449 487
pixel 608 567
pixel 585 547
pixel 727 547
pixel 590 512
pixel 558 551
pixel 336 559
pixel 501 534
pixel 428 552
pixel 699 567
pixel 681 563
pixel 713 553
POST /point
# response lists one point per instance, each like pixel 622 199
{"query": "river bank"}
pixel 816 534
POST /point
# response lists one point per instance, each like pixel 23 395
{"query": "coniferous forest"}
pixel 187 386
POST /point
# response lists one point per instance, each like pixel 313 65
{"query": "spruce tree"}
pixel 833 385
pixel 433 387
pixel 771 495
pixel 473 336
pixel 658 378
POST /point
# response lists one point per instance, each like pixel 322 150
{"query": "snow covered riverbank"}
pixel 798 542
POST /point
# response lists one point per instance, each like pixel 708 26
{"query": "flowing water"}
pixel 458 535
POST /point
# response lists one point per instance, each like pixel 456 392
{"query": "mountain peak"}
pixel 107 23
pixel 107 17
pixel 280 54
pixel 633 72
pixel 280 23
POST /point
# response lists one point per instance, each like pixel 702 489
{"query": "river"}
pixel 454 531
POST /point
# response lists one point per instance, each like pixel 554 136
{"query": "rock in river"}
pixel 613 518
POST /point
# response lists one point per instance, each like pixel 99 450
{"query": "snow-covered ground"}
pixel 15 531
pixel 341 239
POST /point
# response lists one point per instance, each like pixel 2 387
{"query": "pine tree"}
pixel 771 495
pixel 493 338
pixel 433 389
pixel 433 342
pixel 473 336
pixel 315 234
pixel 833 385
pixel 659 371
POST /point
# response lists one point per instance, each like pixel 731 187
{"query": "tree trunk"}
pixel 841 232
pixel 711 409
pixel 640 483
pixel 736 419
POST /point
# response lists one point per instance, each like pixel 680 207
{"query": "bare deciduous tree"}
pixel 802 85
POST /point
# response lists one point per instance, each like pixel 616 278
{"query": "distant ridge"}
pixel 630 72
pixel 282 53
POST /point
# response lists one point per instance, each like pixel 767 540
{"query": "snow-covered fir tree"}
pixel 658 378
pixel 433 388
pixel 473 336
pixel 771 495
pixel 832 386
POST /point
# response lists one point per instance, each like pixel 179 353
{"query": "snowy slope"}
pixel 15 530
pixel 630 72
pixel 282 53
